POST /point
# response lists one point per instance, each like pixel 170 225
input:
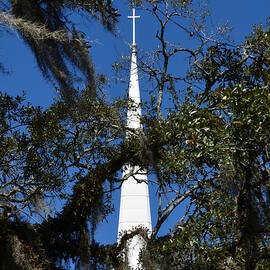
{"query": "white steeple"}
pixel 134 204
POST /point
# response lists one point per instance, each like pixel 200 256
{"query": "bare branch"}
pixel 168 210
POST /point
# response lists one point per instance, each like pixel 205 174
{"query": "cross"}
pixel 133 17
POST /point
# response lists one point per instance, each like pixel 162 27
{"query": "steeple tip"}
pixel 133 17
pixel 134 48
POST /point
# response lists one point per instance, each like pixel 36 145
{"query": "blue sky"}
pixel 241 15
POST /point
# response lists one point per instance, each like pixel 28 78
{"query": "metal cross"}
pixel 134 17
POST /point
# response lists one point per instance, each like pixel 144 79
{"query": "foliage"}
pixel 56 42
pixel 215 154
pixel 63 152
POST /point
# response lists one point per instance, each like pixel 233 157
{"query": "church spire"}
pixel 134 204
